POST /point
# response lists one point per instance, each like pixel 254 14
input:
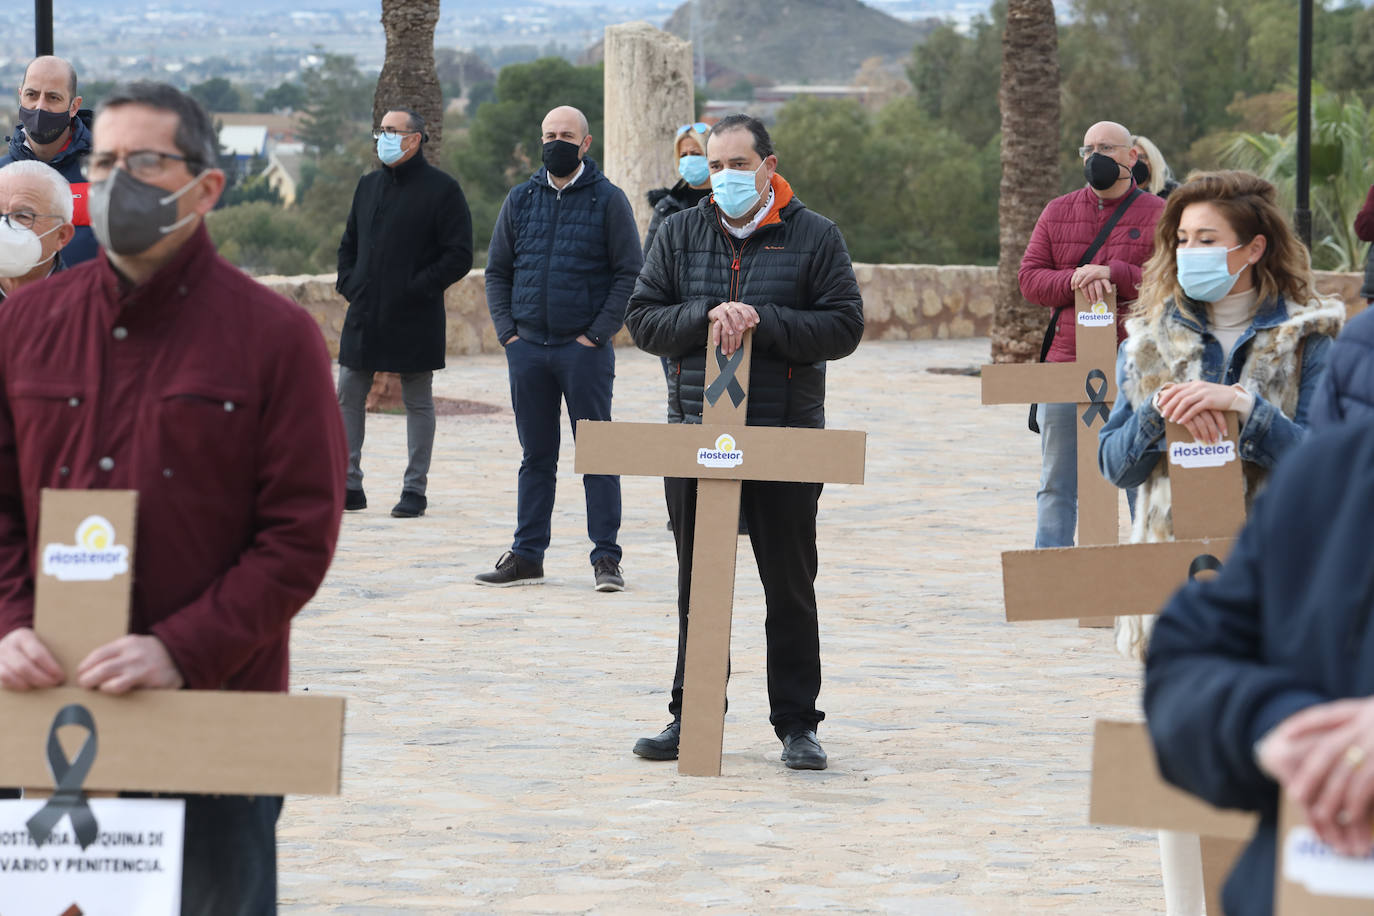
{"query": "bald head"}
pixel 566 119
pixel 49 71
pixel 1107 132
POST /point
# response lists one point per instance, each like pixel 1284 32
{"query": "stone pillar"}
pixel 648 96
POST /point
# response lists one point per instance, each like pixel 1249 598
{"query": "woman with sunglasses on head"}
pixel 1228 319
pixel 689 149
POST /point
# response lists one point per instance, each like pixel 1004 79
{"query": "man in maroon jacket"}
pixel 160 367
pixel 1050 276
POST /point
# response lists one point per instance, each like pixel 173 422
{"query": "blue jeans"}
pixel 541 379
pixel 1056 502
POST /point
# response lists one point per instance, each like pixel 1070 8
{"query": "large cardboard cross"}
pixel 1089 382
pixel 1208 509
pixel 720 453
pixel 184 741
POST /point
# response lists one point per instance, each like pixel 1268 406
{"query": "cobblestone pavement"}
pixel 487 765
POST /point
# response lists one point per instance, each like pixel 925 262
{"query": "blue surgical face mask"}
pixel 1202 272
pixel 734 191
pixel 389 148
pixel 693 169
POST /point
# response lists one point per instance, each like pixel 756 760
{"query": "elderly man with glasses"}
pixel 1076 245
pixel 408 238
pixel 162 368
pixel 35 223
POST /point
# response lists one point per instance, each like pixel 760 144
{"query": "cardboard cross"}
pixel 1312 880
pixel 1208 509
pixel 720 453
pixel 1089 382
pixel 192 741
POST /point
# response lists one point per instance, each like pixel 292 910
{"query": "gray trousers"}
pixel 417 392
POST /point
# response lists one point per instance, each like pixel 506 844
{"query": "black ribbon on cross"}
pixel 726 381
pixel 69 799
pixel 1203 563
pixel 1097 396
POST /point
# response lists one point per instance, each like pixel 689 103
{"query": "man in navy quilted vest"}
pixel 563 260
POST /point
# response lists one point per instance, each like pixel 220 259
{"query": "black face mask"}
pixel 1141 173
pixel 43 126
pixel 560 157
pixel 1101 171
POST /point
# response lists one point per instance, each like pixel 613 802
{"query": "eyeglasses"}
pixel 26 219
pixel 1105 149
pixel 391 131
pixel 699 127
pixel 143 164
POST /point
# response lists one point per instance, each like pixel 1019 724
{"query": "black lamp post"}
pixel 1302 214
pixel 42 27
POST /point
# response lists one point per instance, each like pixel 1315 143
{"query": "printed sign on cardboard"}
pixel 134 865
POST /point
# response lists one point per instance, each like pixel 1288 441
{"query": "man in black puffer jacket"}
pixel 752 256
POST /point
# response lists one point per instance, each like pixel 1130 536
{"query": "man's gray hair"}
pixel 195 136
pixel 58 190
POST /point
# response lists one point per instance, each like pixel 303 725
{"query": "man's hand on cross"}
pixel 729 321
pixel 128 663
pixel 1094 279
pixel 1323 756
pixel 25 663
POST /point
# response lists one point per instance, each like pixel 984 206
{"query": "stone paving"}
pixel 487 765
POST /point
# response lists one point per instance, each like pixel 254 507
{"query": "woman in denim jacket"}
pixel 1227 320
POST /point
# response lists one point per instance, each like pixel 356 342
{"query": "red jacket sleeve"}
pixel 302 458
pixel 1041 282
pixel 1126 279
pixel 1364 220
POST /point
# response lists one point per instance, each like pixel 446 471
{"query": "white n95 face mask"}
pixel 21 250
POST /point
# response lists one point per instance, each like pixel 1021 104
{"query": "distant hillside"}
pixel 796 41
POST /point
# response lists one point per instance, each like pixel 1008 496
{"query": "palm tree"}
pixel 408 78
pixel 1342 171
pixel 1029 99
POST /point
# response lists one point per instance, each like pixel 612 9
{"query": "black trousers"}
pixel 782 530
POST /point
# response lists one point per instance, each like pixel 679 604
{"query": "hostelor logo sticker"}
pixel 94 557
pixel 724 455
pixel 1202 455
pixel 1097 316
pixel 1319 868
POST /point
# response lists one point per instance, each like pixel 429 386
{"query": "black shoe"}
pixel 607 572
pixel 801 751
pixel 512 569
pixel 661 747
pixel 355 500
pixel 412 505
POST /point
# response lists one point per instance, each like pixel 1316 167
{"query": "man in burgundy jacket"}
pixel 1050 276
pixel 161 368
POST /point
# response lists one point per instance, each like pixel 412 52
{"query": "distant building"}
pixel 283 173
pixel 768 99
pixel 243 143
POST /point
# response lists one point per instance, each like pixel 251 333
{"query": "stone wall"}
pixel 901 302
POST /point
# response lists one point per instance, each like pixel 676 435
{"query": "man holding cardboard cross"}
pixel 1092 240
pixel 161 368
pixel 751 256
